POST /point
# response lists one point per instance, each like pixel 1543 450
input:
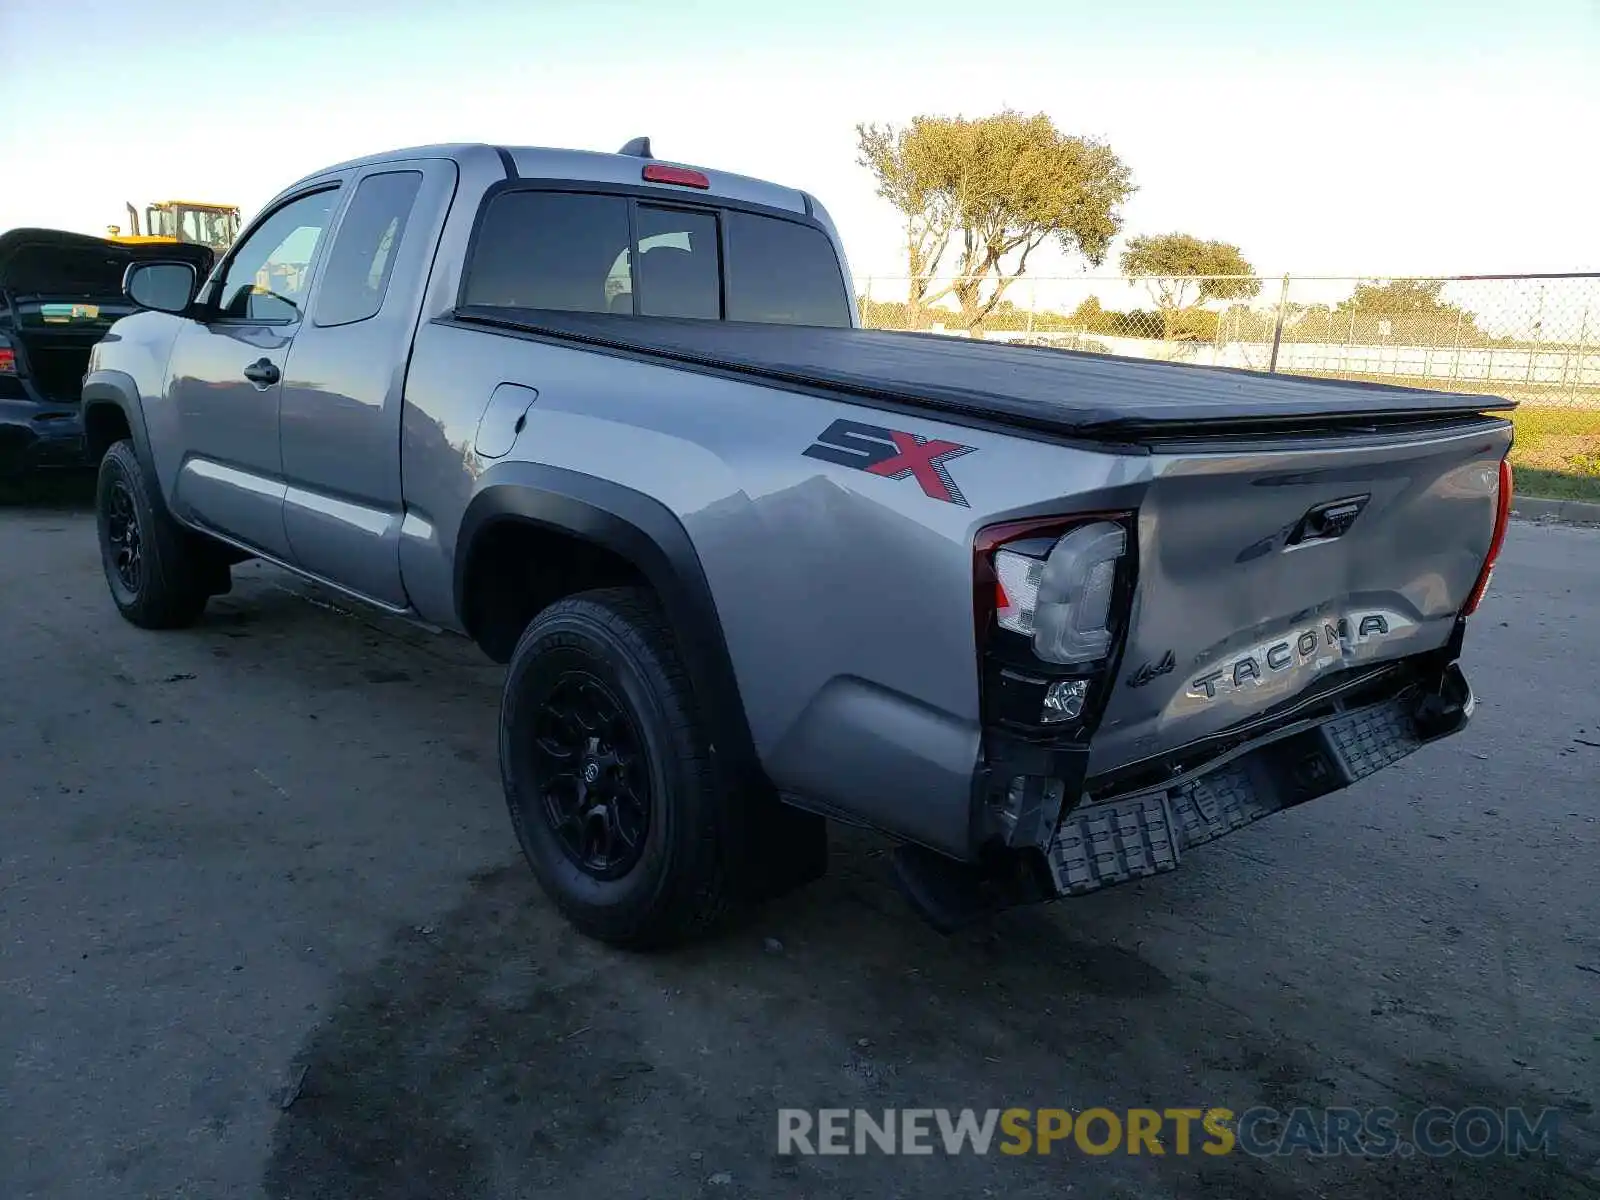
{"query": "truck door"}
pixel 225 376
pixel 343 390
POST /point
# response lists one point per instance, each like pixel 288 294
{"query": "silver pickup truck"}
pixel 1048 620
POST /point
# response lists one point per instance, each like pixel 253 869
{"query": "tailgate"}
pixel 1263 570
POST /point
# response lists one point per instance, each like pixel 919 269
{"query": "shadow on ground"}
pixel 72 492
pixel 496 1054
pixel 286 850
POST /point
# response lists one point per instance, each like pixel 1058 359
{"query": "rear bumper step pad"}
pixel 1134 837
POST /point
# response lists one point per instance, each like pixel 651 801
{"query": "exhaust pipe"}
pixel 133 219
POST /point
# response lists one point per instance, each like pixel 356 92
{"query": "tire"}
pixel 592 676
pixel 160 575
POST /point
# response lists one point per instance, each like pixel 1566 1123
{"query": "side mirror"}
pixel 163 286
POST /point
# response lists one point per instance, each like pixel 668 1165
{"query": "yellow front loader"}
pixel 193 221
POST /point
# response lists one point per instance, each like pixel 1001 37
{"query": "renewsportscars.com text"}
pixel 1258 1132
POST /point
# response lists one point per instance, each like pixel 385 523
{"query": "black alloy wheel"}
pixel 608 773
pixel 159 574
pixel 588 759
pixel 125 536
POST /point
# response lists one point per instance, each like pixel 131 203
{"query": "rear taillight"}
pixel 1051 597
pixel 8 358
pixel 1055 584
pixel 1502 517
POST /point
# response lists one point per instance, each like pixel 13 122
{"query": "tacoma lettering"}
pixel 1291 653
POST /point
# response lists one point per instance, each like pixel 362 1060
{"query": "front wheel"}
pixel 159 577
pixel 607 772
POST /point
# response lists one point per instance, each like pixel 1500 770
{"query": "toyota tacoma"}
pixel 1047 620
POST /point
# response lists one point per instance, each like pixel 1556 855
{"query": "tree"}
pixel 909 165
pixel 1090 313
pixel 1399 298
pixel 1408 309
pixel 1173 263
pixel 997 188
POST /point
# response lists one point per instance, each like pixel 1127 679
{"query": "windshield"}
pixel 200 226
pixel 207 228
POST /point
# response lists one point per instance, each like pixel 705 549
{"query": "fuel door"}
pixel 503 419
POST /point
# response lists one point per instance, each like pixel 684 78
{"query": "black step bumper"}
pixel 1132 836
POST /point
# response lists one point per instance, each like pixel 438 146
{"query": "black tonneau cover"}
pixel 1067 392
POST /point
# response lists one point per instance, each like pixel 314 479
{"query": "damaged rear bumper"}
pixel 1079 834
pixel 1137 834
pixel 1033 844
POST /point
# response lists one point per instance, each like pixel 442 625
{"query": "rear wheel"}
pixel 160 575
pixel 607 773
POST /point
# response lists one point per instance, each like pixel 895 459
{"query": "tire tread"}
pixel 175 590
pixel 697 896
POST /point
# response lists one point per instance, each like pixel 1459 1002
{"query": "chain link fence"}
pixel 1530 338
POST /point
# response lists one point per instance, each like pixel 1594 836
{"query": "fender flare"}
pixel 117 389
pixel 644 532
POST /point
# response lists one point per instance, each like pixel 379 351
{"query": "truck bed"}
pixel 1071 393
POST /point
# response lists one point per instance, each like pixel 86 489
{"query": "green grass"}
pixel 1556 485
pixel 1557 452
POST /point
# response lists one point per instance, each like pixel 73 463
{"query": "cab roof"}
pixel 545 162
pixel 208 205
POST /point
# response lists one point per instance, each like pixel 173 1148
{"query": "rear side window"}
pixel 571 252
pixel 783 273
pixel 550 250
pixel 362 256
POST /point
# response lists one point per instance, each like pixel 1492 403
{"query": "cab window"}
pixel 571 252
pixel 361 258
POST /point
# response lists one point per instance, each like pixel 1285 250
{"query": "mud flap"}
pixel 779 848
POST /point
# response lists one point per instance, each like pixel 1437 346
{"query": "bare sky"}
pixel 1414 136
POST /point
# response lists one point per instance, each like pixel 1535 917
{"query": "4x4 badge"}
pixel 1150 670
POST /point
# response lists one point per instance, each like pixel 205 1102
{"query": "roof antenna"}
pixel 639 147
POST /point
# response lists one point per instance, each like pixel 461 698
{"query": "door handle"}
pixel 261 372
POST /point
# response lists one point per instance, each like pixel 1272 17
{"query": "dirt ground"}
pixel 264 932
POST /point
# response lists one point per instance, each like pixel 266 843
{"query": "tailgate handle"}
pixel 1328 521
